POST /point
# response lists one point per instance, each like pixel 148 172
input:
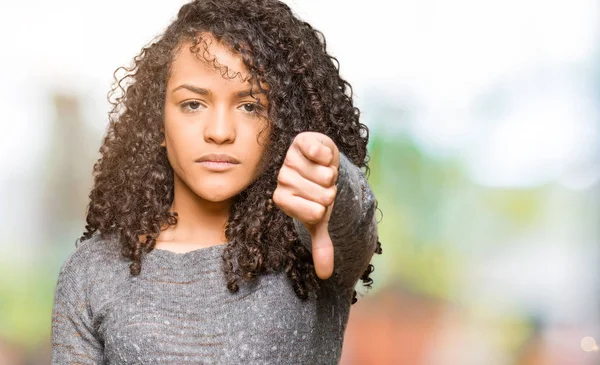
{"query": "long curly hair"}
pixel 133 180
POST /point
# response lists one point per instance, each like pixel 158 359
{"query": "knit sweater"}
pixel 178 310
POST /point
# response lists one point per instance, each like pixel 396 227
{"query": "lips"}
pixel 218 158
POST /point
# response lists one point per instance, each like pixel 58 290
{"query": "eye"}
pixel 253 108
pixel 190 106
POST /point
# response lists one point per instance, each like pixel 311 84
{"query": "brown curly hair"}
pixel 133 180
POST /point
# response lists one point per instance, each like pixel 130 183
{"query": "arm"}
pixel 74 340
pixel 352 226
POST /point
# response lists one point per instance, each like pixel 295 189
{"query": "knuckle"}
pixel 289 162
pixel 283 177
pixel 329 197
pixel 316 214
pixel 277 196
pixel 329 176
pixel 299 138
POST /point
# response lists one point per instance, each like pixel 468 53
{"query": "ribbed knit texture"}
pixel 179 311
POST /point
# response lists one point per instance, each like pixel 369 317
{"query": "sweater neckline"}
pixel 209 252
pixel 165 252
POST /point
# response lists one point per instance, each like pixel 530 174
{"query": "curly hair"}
pixel 133 180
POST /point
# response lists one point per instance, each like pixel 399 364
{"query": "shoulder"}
pixel 92 256
pixel 92 268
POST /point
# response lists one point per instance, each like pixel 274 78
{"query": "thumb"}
pixel 322 247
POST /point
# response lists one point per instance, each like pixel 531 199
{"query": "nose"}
pixel 219 127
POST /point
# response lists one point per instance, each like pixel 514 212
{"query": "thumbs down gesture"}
pixel 306 191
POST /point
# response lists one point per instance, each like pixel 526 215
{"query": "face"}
pixel 210 118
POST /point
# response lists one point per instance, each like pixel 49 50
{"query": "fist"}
pixel 306 191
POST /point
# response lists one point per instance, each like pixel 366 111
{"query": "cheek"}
pixel 178 150
pixel 257 144
pixel 179 136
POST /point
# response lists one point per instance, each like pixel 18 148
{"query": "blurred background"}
pixel 485 138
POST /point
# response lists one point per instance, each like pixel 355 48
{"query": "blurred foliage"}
pixel 26 299
pixel 410 188
pixel 433 218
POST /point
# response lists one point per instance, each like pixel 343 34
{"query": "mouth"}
pixel 218 162
pixel 217 165
pixel 218 158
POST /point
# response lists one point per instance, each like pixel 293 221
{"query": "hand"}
pixel 306 191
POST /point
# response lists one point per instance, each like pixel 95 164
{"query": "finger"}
pixel 325 176
pixel 297 185
pixel 322 246
pixel 316 150
pixel 306 211
pixel 322 250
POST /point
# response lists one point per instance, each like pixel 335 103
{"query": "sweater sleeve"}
pixel 74 340
pixel 352 226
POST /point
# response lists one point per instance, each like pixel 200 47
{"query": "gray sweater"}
pixel 179 311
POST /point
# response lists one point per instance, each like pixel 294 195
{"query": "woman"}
pixel 229 219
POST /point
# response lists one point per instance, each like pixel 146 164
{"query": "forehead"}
pixel 209 57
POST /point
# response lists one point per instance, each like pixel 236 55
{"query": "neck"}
pixel 199 221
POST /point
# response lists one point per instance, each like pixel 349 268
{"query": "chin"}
pixel 217 198
pixel 213 195
pixel 216 193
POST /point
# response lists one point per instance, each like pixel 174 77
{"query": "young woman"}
pixel 229 219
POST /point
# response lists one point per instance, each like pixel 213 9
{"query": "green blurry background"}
pixel 485 133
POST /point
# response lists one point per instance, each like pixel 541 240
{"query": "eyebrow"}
pixel 203 91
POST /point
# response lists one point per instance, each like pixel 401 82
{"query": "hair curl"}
pixel 133 180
